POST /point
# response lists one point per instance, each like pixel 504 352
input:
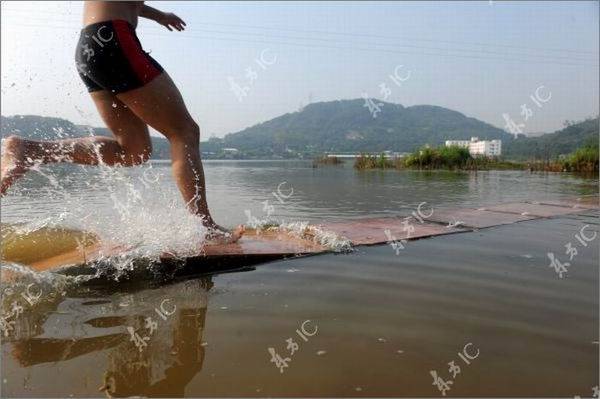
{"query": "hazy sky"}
pixel 483 59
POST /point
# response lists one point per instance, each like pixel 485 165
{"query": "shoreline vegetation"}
pixel 583 160
pixel 324 160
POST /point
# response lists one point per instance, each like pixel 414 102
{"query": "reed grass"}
pixel 326 160
pixel 583 160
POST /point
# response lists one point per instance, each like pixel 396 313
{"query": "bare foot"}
pixel 218 235
pixel 14 162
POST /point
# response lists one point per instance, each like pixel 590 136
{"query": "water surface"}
pixel 383 321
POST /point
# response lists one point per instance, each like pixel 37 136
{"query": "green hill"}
pixel 341 126
pixel 347 126
pixel 39 127
pixel 552 145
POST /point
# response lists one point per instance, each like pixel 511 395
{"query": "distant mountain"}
pixel 339 126
pixel 535 134
pixel 552 145
pixel 36 127
pixel 39 127
pixel 348 126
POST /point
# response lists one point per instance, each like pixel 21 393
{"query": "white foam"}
pixel 141 211
pixel 304 230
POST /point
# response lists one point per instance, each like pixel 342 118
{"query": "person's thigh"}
pixel 160 105
pixel 129 130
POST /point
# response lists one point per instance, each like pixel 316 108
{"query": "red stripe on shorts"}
pixel 141 65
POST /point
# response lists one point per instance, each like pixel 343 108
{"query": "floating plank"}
pixel 527 209
pixel 71 251
pixel 52 248
pixel 266 242
pixel 255 246
pixel 373 231
pixel 45 248
pixel 578 203
pixel 476 218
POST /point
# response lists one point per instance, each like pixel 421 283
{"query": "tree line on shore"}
pixel 582 160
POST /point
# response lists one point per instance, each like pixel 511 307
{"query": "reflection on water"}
pixel 174 351
pixel 385 321
pixel 159 357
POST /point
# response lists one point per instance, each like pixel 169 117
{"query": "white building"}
pixel 489 148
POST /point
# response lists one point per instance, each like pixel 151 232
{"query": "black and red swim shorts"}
pixel 109 56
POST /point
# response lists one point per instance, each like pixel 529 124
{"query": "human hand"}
pixel 170 21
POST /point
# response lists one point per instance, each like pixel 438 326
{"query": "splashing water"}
pixel 302 229
pixel 151 218
pixel 141 210
pixel 325 238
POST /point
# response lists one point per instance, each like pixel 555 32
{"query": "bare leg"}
pixel 132 148
pixel 160 105
pixel 18 154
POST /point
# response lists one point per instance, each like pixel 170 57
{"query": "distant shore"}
pixel 583 160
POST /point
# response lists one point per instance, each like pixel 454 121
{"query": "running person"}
pixel 131 91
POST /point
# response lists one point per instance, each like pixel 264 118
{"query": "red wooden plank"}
pixel 257 245
pixel 539 210
pixel 477 218
pixel 267 242
pixel 579 203
pixel 373 231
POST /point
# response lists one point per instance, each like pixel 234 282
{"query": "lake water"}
pixel 482 309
